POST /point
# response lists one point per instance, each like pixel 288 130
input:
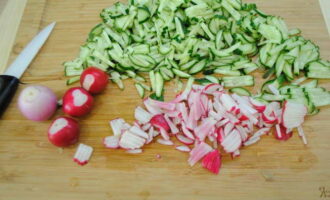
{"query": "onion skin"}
pixel 66 135
pixel 99 79
pixel 69 98
pixel 37 102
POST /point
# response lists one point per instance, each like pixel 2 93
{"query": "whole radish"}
pixel 94 80
pixel 37 102
pixel 77 102
pixel 64 131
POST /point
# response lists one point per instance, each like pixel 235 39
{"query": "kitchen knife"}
pixel 10 79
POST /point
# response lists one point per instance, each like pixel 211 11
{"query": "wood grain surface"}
pixel 32 168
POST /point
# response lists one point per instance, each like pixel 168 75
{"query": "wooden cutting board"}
pixel 32 168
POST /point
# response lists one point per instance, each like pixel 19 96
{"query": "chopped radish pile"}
pixel 205 119
pixel 83 154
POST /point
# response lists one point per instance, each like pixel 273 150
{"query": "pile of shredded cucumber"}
pixel 173 39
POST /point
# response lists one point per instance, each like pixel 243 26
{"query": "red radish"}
pixel 186 132
pixel 202 130
pixel 211 88
pixel 174 129
pixel 159 121
pixel 302 134
pixel 77 102
pixel 111 142
pixel 94 80
pixel 293 114
pixel 160 104
pixel 83 154
pixel 232 141
pixel 184 139
pixel 183 148
pixel 64 131
pixel 212 161
pixel 281 133
pixel 37 102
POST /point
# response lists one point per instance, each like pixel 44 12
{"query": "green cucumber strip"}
pixel 140 90
pixel 240 91
pixel 238 81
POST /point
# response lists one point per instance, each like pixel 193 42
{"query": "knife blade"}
pixel 9 81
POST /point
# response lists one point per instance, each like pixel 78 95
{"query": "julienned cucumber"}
pixel 178 38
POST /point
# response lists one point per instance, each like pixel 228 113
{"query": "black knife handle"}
pixel 8 87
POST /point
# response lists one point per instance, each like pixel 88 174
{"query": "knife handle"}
pixel 8 87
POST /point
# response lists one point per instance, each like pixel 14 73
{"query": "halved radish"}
pixel 293 114
pixel 77 102
pixel 94 80
pixel 111 142
pixel 184 139
pixel 212 161
pixel 64 131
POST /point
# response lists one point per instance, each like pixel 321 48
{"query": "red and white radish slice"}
pixel 260 107
pixel 111 142
pixel 243 133
pixel 215 115
pixel 134 151
pixel 152 109
pixel 261 132
pixel 142 115
pixel 281 132
pixel 293 114
pixel 131 141
pixel 139 132
pixel 117 125
pixel 146 127
pixel 232 141
pixel 182 108
pixel 251 141
pixel 77 102
pixel 186 132
pixel 191 123
pixel 160 104
pixel 198 88
pixel 198 152
pixel 183 148
pixel 232 118
pixel 83 154
pixel 165 142
pixel 173 128
pixel 212 161
pixel 159 122
pixel 155 133
pixel 243 103
pixel 211 88
pixel 235 154
pixel 202 130
pixel 184 139
pixel 164 134
pixel 228 128
pixel 222 122
pixel 228 102
pixel 150 135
